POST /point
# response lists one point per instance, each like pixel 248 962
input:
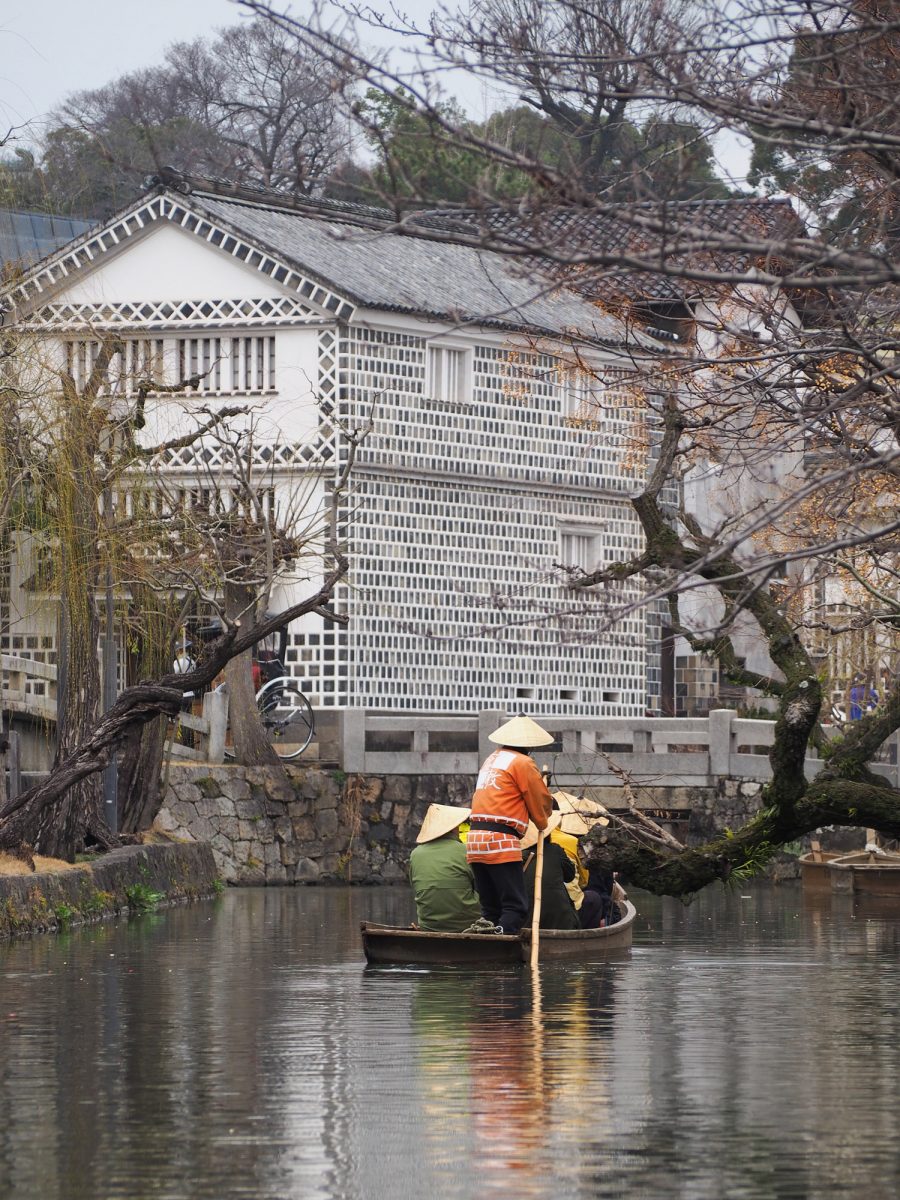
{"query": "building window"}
pixel 579 400
pixel 449 374
pixel 139 361
pixel 237 364
pixel 579 548
pixel 221 365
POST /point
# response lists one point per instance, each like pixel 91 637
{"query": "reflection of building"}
pixel 479 479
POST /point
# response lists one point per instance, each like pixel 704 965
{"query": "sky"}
pixel 50 48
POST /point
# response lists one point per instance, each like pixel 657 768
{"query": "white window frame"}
pixel 580 545
pixel 228 364
pixel 580 399
pixel 448 373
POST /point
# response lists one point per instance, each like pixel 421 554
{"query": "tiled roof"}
pixel 377 267
pixel 678 236
pixel 26 237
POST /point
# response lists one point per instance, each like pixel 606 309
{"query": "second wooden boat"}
pixel 871 872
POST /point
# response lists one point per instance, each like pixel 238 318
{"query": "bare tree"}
pixel 245 105
pixel 23 817
pixel 270 109
pixel 781 340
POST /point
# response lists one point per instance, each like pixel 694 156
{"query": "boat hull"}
pixel 814 873
pixel 858 873
pixel 387 944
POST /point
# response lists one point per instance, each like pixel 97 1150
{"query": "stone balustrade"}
pixel 678 751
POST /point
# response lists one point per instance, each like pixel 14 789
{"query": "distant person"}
pixel 183 663
pixel 571 828
pixel 509 792
pixel 557 909
pixel 442 880
pixel 863 700
pixel 579 816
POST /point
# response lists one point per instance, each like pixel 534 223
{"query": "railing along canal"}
pixel 685 751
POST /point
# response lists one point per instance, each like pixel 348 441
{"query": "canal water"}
pixel 239 1048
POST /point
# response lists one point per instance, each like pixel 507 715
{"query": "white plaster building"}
pixel 479 478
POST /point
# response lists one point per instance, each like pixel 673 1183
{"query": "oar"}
pixel 538 881
pixel 536 915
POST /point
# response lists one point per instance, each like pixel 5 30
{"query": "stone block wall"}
pixel 323 827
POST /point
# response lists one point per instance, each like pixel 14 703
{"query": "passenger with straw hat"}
pixel 442 880
pixel 558 870
pixel 579 816
pixel 510 791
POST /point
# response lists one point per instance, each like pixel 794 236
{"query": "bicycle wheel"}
pixel 287 716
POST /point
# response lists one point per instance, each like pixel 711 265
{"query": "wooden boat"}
pixel 814 873
pixel 390 944
pixel 870 872
pixel 866 872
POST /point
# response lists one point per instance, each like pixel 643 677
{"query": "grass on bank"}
pixel 11 865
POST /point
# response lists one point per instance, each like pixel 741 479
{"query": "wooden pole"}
pixel 536 914
pixel 538 882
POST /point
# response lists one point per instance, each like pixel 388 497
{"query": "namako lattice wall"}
pixel 478 479
pixel 456 519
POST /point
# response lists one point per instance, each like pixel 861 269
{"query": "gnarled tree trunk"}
pixel 251 745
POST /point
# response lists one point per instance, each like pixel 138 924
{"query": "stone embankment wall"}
pixel 117 883
pixel 324 827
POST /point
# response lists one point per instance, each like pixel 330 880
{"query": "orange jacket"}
pixel 510 789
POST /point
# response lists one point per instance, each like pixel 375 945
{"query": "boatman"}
pixel 442 880
pixel 509 791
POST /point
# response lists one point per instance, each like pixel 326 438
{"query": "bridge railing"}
pixel 680 751
pixel 28 688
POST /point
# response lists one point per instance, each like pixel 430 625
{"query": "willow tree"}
pixel 108 525
pixel 213 543
pixel 779 337
pixel 81 421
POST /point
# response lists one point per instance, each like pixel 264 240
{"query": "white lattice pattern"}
pixel 456 520
pixel 514 426
pixel 456 604
pixel 265 456
pixel 169 314
pixel 87 249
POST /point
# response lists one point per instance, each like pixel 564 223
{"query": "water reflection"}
pixel 749 1048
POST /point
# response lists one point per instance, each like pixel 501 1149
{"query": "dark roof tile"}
pixel 26 237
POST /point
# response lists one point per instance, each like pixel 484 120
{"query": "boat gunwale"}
pixel 558 938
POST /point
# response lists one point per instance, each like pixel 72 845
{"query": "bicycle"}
pixel 286 715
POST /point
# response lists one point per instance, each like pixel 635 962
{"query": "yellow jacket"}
pixel 569 843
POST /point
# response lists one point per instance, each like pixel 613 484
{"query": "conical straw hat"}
pixel 531 833
pixel 440 819
pixel 521 733
pixel 590 811
pixel 575 824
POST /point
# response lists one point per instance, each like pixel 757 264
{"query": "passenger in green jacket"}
pixel 442 880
